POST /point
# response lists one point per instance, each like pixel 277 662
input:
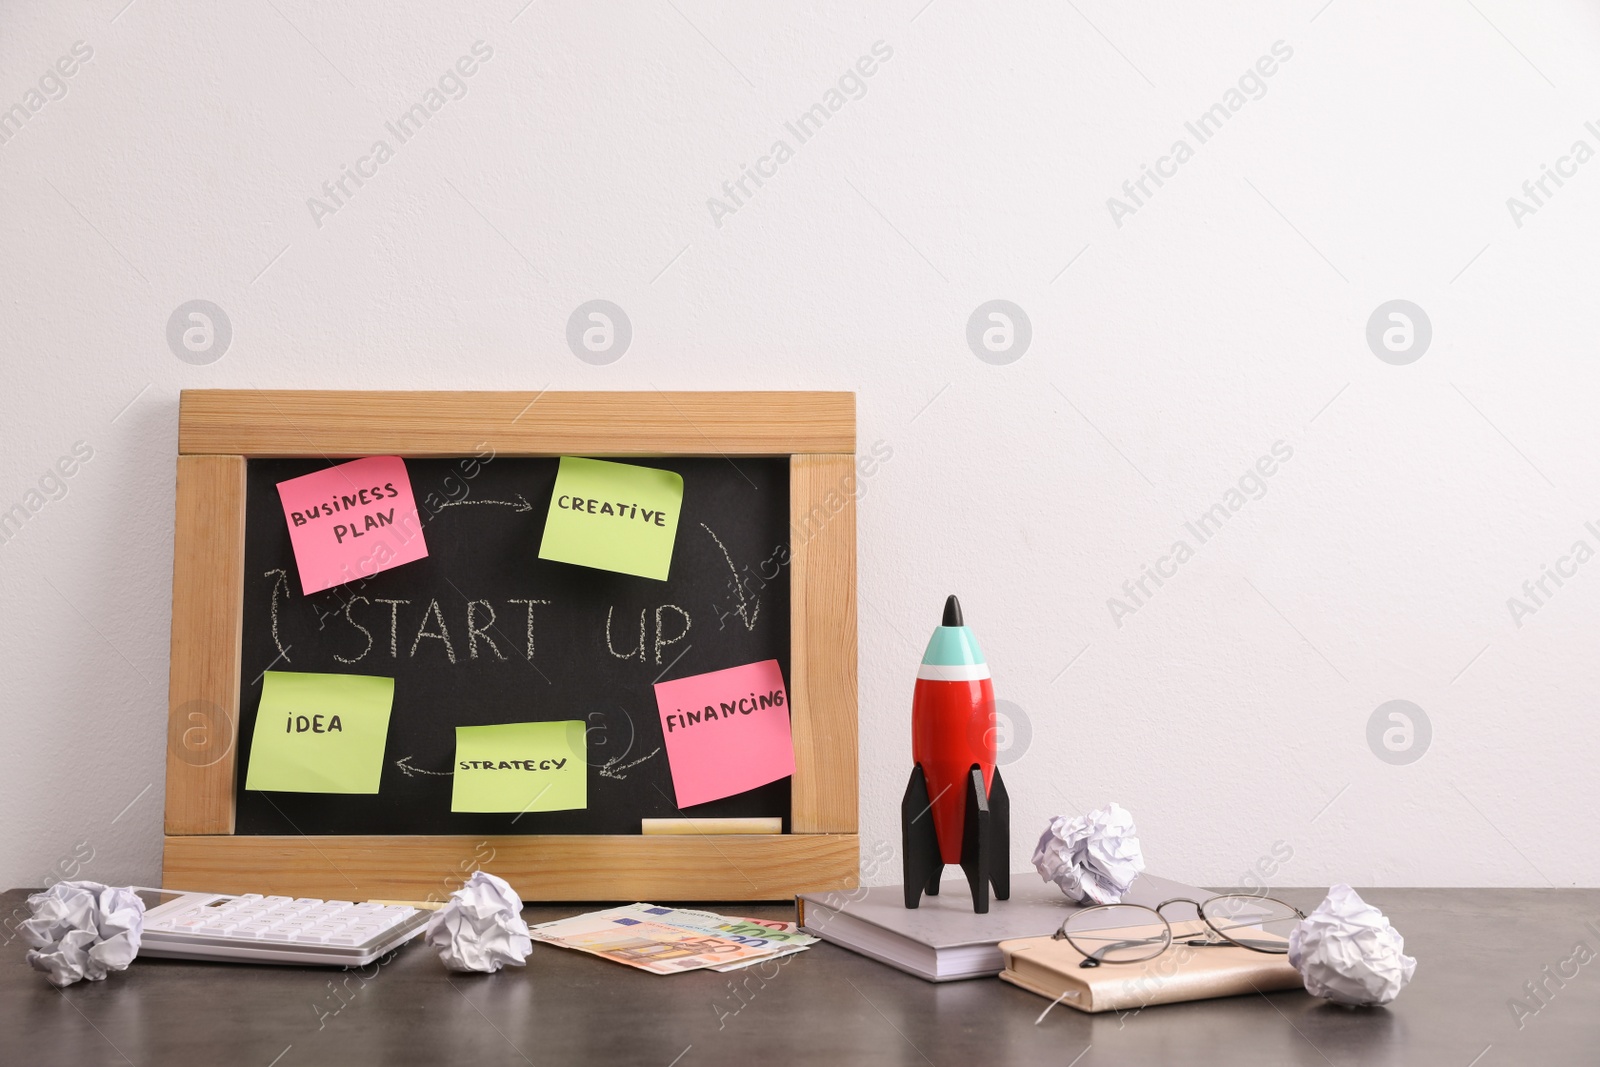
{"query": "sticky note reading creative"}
pixel 521 766
pixel 351 521
pixel 613 517
pixel 727 731
pixel 320 733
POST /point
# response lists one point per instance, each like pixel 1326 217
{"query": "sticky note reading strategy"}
pixel 613 517
pixel 727 731
pixel 521 766
pixel 320 733
pixel 351 521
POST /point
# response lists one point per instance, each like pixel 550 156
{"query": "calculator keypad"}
pixel 253 918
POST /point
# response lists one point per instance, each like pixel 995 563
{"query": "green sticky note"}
pixel 320 733
pixel 613 517
pixel 521 766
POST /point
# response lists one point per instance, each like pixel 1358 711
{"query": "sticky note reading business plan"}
pixel 351 521
pixel 613 517
pixel 727 731
pixel 320 733
pixel 521 766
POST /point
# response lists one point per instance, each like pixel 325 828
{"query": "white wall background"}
pixel 1231 710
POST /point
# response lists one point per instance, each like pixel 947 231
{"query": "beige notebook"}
pixel 1050 968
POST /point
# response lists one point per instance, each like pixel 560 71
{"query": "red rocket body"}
pixel 952 730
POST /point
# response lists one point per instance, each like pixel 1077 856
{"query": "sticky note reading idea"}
pixel 521 766
pixel 351 521
pixel 320 733
pixel 727 731
pixel 613 517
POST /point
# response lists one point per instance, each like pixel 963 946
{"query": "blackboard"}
pixel 483 517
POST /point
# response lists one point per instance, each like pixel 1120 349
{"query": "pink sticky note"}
pixel 727 731
pixel 351 521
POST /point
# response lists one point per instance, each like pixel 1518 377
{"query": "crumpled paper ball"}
pixel 82 930
pixel 1093 858
pixel 1347 952
pixel 480 928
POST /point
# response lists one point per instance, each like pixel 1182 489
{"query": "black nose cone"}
pixel 952 612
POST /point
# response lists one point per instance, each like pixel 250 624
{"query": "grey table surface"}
pixel 1476 950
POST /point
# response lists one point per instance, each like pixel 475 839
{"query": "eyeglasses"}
pixel 1131 933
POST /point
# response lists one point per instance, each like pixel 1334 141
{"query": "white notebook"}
pixel 943 940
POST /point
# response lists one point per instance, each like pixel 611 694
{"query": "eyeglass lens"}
pixel 1118 933
pixel 1259 923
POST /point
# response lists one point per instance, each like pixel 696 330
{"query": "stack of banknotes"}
pixel 669 940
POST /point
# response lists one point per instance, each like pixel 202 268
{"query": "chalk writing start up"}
pixel 620 509
pixel 743 706
pixel 512 764
pixel 346 501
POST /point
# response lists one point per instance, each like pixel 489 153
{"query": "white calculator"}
pixel 251 928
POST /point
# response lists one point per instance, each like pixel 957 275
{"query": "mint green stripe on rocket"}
pixel 951 646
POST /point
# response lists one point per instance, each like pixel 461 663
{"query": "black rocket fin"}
pixel 1000 831
pixel 919 844
pixel 977 841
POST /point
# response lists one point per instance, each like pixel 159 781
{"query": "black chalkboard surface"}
pixel 508 637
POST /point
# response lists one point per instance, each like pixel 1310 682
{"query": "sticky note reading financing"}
pixel 727 731
pixel 351 521
pixel 320 733
pixel 521 766
pixel 613 517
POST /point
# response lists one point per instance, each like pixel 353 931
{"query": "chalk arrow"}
pixel 280 580
pixel 610 769
pixel 519 504
pixel 404 763
pixel 749 610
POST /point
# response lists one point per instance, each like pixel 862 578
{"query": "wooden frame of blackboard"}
pixel 219 430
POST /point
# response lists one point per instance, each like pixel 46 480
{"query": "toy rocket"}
pixel 955 809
